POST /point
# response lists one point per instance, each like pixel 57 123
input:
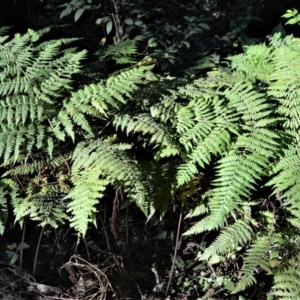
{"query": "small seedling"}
pixel 14 250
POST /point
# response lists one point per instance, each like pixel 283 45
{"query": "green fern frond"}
pixel 35 77
pixel 286 183
pixel 15 139
pixel 3 207
pixel 255 256
pixel 237 174
pixel 46 205
pixel 166 109
pixel 286 281
pixel 13 192
pixel 194 122
pixel 144 124
pixel 205 131
pixel 215 143
pixel 255 64
pixel 106 163
pixel 251 105
pixel 98 99
pixel 238 234
pixel 89 186
pixel 125 52
pixel 30 168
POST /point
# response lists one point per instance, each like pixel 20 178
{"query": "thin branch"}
pixel 175 251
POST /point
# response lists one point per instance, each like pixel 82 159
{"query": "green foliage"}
pixel 245 119
pixel 3 207
pixel 292 15
pixel 61 146
pixel 35 79
pixel 262 94
pixel 164 30
pixel 96 164
pixel 41 112
pixel 287 279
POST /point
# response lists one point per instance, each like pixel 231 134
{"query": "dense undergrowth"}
pixel 214 137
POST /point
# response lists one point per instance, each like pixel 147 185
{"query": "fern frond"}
pixel 31 168
pixel 205 131
pixel 98 99
pixel 255 256
pixel 286 182
pixel 229 239
pixel 166 109
pixel 286 281
pixel 35 77
pixel 124 52
pixel 106 163
pixel 45 206
pixel 144 124
pixel 88 189
pixel 255 64
pixel 3 207
pixel 15 139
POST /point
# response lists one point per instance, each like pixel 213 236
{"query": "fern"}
pixel 260 122
pixel 97 99
pixel 45 205
pixel 3 206
pixel 29 168
pixel 39 110
pixel 286 280
pixel 243 122
pixel 96 164
pixel 256 256
pixel 34 78
pixel 123 53
pixel 230 238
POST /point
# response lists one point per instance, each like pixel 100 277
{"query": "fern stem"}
pixel 22 243
pixel 175 252
pixel 37 251
pixel 87 249
pixel 105 233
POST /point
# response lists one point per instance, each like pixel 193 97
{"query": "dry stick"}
pixel 127 232
pixel 87 249
pixel 37 251
pixel 22 243
pixel 175 252
pixel 105 233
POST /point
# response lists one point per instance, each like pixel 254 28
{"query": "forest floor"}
pixel 124 259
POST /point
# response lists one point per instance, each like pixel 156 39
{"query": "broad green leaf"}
pixel 78 14
pixel 129 21
pixel 205 26
pixel 66 12
pixel 109 26
pixel 292 21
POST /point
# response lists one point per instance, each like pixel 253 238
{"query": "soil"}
pixel 103 265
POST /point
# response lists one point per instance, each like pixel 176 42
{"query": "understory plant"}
pixel 62 145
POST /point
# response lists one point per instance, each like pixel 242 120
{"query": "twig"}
pixel 22 243
pixel 116 207
pixel 87 249
pixel 175 252
pixel 127 231
pixel 37 251
pixel 105 233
